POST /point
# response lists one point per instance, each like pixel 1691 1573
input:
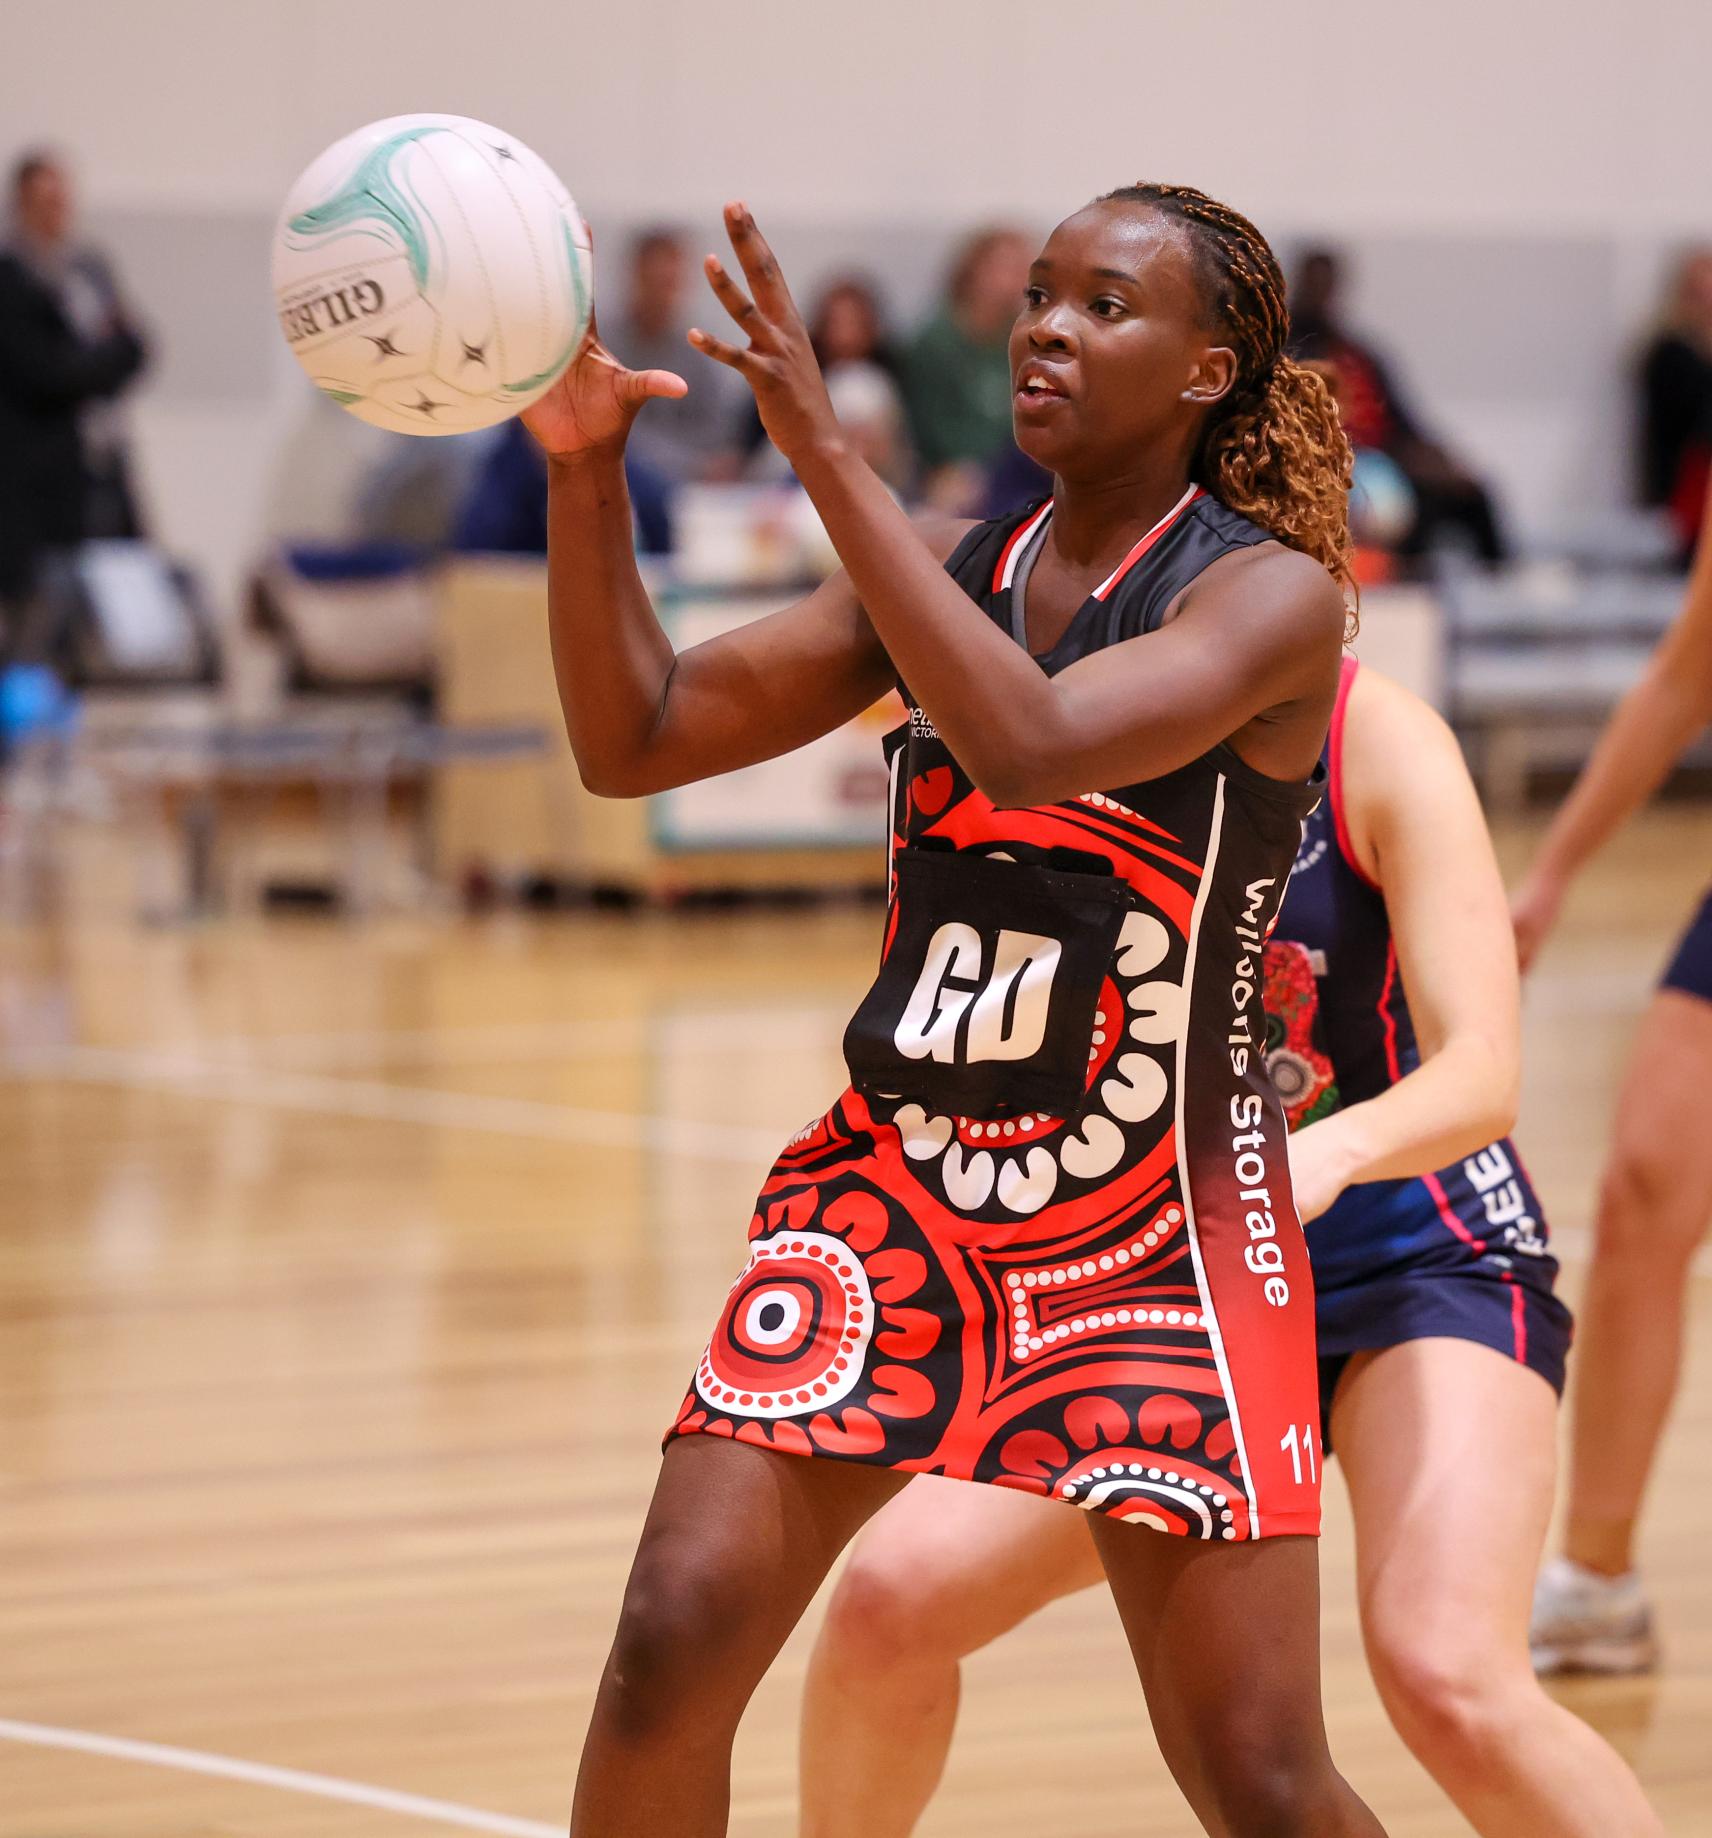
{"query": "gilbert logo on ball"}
pixel 431 274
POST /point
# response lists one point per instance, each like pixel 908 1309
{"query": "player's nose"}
pixel 1053 329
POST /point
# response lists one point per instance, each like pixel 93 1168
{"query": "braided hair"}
pixel 1274 448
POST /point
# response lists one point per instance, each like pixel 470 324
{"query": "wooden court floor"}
pixel 348 1275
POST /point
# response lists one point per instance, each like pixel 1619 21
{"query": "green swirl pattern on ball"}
pixel 371 193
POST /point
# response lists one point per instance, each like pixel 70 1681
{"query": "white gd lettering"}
pixel 1007 1007
pixel 1297 1442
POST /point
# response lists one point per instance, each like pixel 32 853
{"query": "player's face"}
pixel 1109 355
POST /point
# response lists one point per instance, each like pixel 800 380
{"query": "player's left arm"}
pixel 1647 733
pixel 1252 652
pixel 1416 829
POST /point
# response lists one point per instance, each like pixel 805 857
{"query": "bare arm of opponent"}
pixel 1644 738
pixel 1416 830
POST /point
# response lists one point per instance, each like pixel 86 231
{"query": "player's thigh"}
pixel 956 1565
pixel 737 1540
pixel 1449 1452
pixel 1226 1639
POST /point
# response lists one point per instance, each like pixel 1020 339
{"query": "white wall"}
pixel 1566 141
pixel 1464 113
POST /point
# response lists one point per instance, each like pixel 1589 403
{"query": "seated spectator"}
pixel 67 350
pixel 337 480
pixel 697 436
pixel 957 374
pixel 505 509
pixel 1676 399
pixel 847 330
pixel 1448 499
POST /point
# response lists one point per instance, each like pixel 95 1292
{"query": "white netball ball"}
pixel 431 273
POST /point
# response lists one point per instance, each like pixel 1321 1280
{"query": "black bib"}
pixel 984 1006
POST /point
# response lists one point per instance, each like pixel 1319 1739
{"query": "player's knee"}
pixel 1271 1776
pixel 684 1615
pixel 1635 1204
pixel 885 1618
pixel 1278 1796
pixel 1451 1701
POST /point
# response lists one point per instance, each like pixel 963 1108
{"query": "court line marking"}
pixel 377 1101
pixel 696 1031
pixel 286 1780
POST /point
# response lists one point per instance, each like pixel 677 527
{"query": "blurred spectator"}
pixel 338 480
pixel 847 326
pixel 1676 398
pixel 505 509
pixel 67 349
pixel 848 332
pixel 696 437
pixel 957 377
pixel 1447 498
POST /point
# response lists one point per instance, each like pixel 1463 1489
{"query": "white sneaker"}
pixel 1586 1622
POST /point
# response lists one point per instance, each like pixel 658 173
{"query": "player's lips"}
pixel 1039 383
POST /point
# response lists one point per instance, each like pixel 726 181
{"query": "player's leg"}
pixel 1448 1449
pixel 941 1571
pixel 1653 1213
pixel 736 1543
pixel 1226 1638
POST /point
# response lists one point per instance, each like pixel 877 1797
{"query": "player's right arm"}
pixel 1644 738
pixel 1416 832
pixel 641 717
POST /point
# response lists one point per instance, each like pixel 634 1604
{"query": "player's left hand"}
pixel 779 362
pixel 1319 1169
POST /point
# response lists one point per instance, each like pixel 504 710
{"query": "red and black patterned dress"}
pixel 1105 1298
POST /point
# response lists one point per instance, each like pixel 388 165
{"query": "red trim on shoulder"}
pixel 1147 542
pixel 1334 774
pixel 1011 553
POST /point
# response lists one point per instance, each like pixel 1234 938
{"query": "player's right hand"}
pixel 593 403
pixel 1533 912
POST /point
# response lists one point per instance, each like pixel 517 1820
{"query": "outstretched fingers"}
pixel 732 297
pixel 720 352
pixel 760 266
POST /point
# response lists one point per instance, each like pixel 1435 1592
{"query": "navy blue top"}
pixel 1339 1032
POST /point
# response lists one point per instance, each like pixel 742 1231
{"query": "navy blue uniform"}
pixel 1691 969
pixel 1461 1253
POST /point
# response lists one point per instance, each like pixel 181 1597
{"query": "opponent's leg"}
pixel 736 1543
pixel 1226 1638
pixel 1653 1212
pixel 1448 1449
pixel 944 1569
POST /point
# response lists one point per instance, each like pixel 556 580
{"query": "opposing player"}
pixel 1441 1343
pixel 1046 1240
pixel 1656 1200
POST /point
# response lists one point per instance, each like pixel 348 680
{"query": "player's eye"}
pixel 1034 296
pixel 1108 308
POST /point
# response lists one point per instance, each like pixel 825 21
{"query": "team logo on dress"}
pixel 1303 1077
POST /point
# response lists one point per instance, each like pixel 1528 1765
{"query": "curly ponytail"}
pixel 1274 448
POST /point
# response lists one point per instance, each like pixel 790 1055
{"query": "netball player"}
pixel 1441 1343
pixel 1045 1241
pixel 1656 1199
